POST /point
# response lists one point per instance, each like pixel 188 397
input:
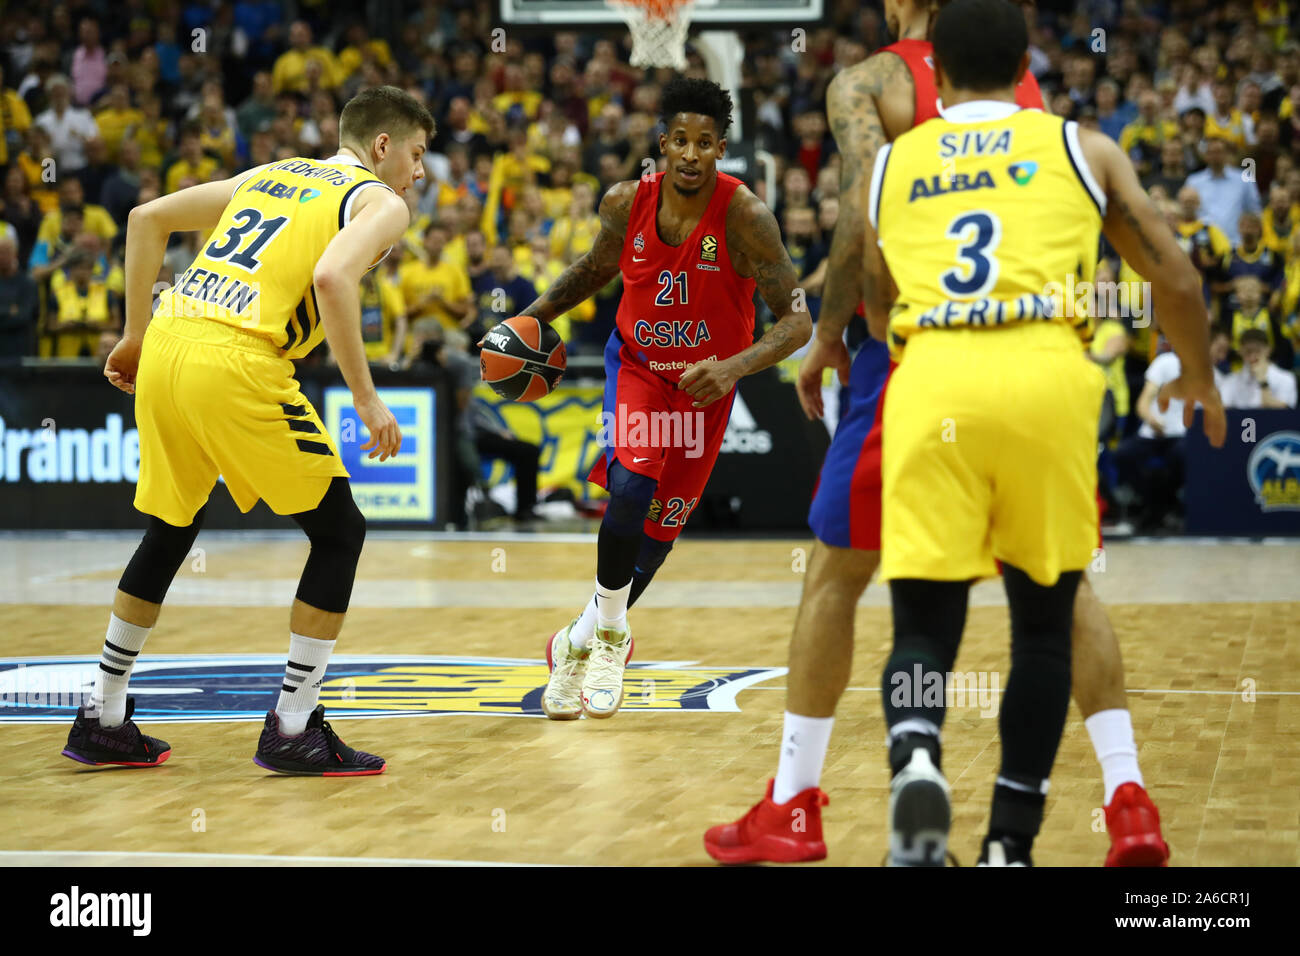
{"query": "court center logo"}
pixel 1273 470
pixel 207 688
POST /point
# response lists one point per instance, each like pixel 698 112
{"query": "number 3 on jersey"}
pixel 246 258
pixel 979 234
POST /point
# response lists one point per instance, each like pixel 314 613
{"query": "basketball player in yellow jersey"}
pixel 869 104
pixel 976 218
pixel 215 395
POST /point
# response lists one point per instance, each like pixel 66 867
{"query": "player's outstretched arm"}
pixel 593 271
pixel 198 208
pixel 1142 237
pixel 754 244
pixel 378 223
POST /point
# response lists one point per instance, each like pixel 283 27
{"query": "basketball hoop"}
pixel 658 29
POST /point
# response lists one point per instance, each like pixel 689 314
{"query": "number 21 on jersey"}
pixel 666 283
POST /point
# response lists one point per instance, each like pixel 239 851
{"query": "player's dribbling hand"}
pixel 708 381
pixel 821 355
pixel 385 436
pixel 1191 391
pixel 122 364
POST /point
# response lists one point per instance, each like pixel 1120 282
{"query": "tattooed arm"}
pixel 856 122
pixel 861 102
pixel 754 242
pixel 592 272
pixel 1142 237
pixel 755 247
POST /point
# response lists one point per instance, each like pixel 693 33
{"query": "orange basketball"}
pixel 522 359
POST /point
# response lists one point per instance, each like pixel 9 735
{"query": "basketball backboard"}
pixel 709 14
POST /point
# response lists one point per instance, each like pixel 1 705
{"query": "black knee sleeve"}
pixel 337 530
pixel 1036 700
pixel 630 495
pixel 149 573
pixel 621 530
pixel 1037 696
pixel 929 617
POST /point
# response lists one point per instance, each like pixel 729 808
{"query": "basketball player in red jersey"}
pixel 869 104
pixel 692 244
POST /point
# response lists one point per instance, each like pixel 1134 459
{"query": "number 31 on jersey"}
pixel 245 258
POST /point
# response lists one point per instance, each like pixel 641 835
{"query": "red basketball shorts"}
pixel 651 428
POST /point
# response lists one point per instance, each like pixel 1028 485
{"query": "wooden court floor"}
pixel 1210 635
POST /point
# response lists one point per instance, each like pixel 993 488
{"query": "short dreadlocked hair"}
pixel 682 95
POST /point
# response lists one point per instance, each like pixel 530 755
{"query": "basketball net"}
pixel 658 29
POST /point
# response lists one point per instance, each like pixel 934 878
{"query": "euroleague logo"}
pixel 242 688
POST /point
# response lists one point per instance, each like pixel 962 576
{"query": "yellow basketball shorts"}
pixel 990 451
pixel 214 400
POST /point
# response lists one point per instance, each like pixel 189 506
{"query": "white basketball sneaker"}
pixel 919 814
pixel 602 688
pixel 562 698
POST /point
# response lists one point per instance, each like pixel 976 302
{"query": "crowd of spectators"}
pixel 1205 100
pixel 105 105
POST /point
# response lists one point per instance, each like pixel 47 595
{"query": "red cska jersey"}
pixel 919 57
pixel 682 304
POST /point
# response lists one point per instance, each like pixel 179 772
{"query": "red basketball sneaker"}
pixel 773 832
pixel 1134 827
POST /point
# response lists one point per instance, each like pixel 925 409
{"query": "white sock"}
pixel 803 751
pixel 308 658
pixel 611 606
pixel 582 633
pixel 1112 738
pixel 122 645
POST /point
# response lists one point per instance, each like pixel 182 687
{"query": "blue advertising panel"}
pixel 1250 486
pixel 403 488
pixel 70 452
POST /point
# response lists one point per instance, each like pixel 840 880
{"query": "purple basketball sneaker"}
pixel 316 752
pixel 122 746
